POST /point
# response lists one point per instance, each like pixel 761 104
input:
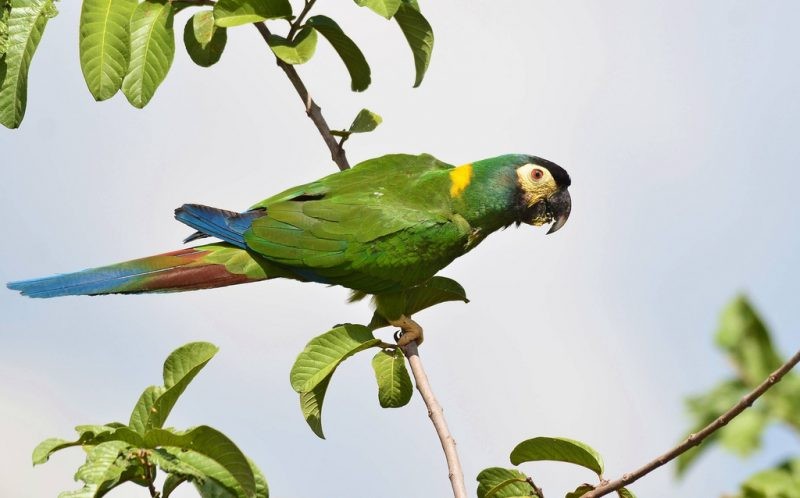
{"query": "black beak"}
pixel 559 205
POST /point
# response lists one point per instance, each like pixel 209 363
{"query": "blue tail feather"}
pixel 224 225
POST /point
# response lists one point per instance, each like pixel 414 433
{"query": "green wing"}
pixel 386 224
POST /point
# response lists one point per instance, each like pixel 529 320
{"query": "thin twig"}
pixel 299 21
pixel 697 438
pixel 312 109
pixel 537 491
pixel 436 415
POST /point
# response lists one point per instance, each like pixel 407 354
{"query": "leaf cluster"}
pixel 498 482
pixel 117 453
pixel 129 45
pixel 315 365
pixel 747 342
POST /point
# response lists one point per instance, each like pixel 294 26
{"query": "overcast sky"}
pixel 677 121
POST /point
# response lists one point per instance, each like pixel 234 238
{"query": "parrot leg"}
pixel 409 331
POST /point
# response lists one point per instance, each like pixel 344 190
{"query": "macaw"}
pixel 386 225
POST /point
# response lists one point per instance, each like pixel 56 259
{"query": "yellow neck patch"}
pixel 460 178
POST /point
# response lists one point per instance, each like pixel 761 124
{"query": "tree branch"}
pixel 436 415
pixel 312 109
pixel 697 438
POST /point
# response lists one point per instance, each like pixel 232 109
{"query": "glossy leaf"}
pixel 152 48
pixel 171 483
pixel 557 449
pixel 229 13
pixel 385 8
pixel 311 406
pixel 5 12
pixel 394 383
pixel 210 488
pixel 496 482
pixel 180 368
pixel 435 291
pixel 25 25
pixel 104 468
pixel 625 493
pixel 580 491
pixel 204 41
pixel 324 353
pixel 205 451
pixel 103 42
pixel 419 34
pixel 365 122
pixel 297 51
pixel 349 52
pixel 87 435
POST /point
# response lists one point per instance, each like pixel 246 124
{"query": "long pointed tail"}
pixel 202 267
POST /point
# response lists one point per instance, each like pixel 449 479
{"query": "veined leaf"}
pixel 26 22
pixel 152 46
pixel 170 484
pixel 298 51
pixel 419 34
pixel 394 383
pixel 5 12
pixel 365 122
pixel 104 469
pixel 230 13
pixel 103 42
pixel 311 406
pixel 625 493
pixel 180 368
pixel 496 482
pixel 210 488
pixel 349 52
pixel 207 452
pixel 324 353
pixel 408 302
pixel 558 449
pixel 385 8
pixel 88 435
pixel 203 39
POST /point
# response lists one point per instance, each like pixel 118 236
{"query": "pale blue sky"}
pixel 677 121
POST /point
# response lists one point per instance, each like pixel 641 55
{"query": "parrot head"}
pixel 543 195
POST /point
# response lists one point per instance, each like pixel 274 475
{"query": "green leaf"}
pixel 394 383
pixel 324 353
pixel 704 409
pixel 299 50
pixel 210 488
pixel 496 482
pixel 742 435
pixel 205 450
pixel 557 449
pixel 419 34
pixel 152 45
pixel 103 41
pixel 625 493
pixel 104 469
pixel 5 12
pixel 87 435
pixel 229 13
pixel 203 39
pixel 349 52
pixel 435 291
pixel 745 338
pixel 385 8
pixel 311 406
pixel 180 368
pixel 170 484
pixel 580 491
pixel 782 481
pixel 365 122
pixel 26 22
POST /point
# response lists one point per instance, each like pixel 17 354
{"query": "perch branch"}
pixel 436 415
pixel 312 109
pixel 697 438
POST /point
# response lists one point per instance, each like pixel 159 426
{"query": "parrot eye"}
pixel 537 174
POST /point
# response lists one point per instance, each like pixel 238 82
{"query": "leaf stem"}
pixel 436 415
pixel 697 438
pixel 299 21
pixel 312 109
pixel 537 491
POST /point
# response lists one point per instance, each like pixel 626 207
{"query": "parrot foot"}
pixel 409 331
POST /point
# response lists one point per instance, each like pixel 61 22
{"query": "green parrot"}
pixel 387 225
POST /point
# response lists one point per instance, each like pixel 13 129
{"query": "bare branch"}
pixel 436 415
pixel 312 109
pixel 697 438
